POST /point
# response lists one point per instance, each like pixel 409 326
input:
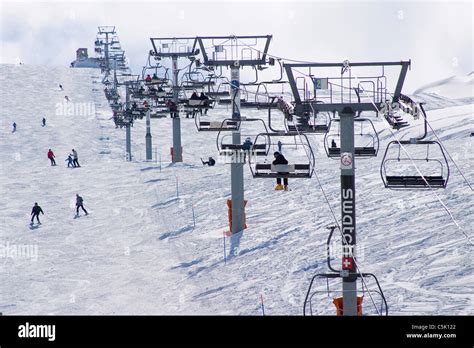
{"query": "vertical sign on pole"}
pixel 349 279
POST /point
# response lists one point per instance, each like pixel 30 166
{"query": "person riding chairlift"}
pixel 155 77
pixel 194 96
pixel 148 78
pixel 280 159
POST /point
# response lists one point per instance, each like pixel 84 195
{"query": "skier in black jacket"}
pixel 280 159
pixel 35 213
pixel 80 204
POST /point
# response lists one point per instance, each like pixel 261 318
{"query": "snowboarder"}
pixel 35 213
pixel 280 159
pixel 80 204
pixel 75 161
pixel 210 162
pixel 14 127
pixel 69 160
pixel 44 121
pixel 51 157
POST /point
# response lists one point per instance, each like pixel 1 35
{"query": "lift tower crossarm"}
pixel 314 105
pixel 172 53
pixel 230 62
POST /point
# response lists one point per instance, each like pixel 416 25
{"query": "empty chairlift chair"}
pixel 398 170
pixel 366 140
pixel 215 125
pixel 297 150
pixel 318 124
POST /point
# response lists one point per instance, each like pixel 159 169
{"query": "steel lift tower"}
pixel 105 38
pixel 235 52
pixel 174 48
pixel 347 95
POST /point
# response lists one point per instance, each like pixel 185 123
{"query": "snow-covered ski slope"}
pixel 139 252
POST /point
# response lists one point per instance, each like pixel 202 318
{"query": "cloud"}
pixel 437 36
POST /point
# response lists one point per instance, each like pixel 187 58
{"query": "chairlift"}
pixel 225 145
pixel 215 126
pixel 398 172
pixel 223 90
pixel 243 96
pixel 432 168
pixel 364 281
pixel 314 123
pixel 366 140
pixel 297 150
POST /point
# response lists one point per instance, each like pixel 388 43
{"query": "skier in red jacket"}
pixel 51 157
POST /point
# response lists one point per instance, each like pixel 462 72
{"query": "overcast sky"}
pixel 436 36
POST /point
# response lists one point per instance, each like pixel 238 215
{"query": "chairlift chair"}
pixel 225 125
pixel 376 294
pixel 297 151
pixel 226 147
pixel 367 137
pixel 316 124
pixel 434 173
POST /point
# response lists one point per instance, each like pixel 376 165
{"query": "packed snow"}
pixel 153 242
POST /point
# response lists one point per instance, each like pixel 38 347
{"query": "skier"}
pixel 80 204
pixel 61 87
pixel 280 159
pixel 280 145
pixel 35 213
pixel 75 162
pixel 44 121
pixel 14 127
pixel 70 162
pixel 51 157
pixel 67 98
pixel 210 162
